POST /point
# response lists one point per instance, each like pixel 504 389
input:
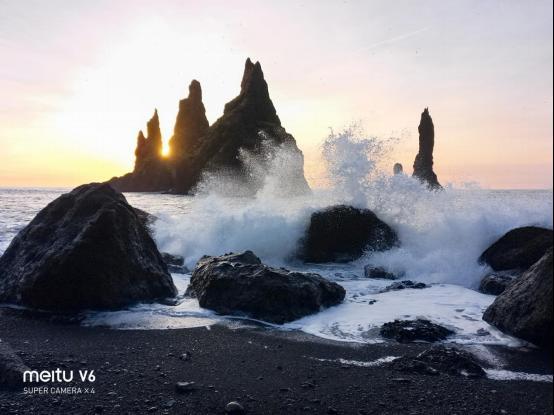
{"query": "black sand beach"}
pixel 267 372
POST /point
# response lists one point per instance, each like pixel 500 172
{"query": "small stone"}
pixel 184 387
pixel 234 408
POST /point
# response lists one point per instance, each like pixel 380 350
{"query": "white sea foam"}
pixel 374 363
pixel 500 374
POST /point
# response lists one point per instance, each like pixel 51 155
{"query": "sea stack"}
pixel 191 123
pixel 423 164
pixel 243 145
pixel 151 172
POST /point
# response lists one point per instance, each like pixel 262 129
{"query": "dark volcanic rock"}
pixel 88 249
pixel 524 309
pixel 11 368
pixel 152 172
pixel 495 283
pixel 191 123
pixel 249 126
pixel 244 145
pixel 440 359
pixel 423 164
pixel 378 273
pixel 343 233
pixel 519 248
pixel 175 263
pixel 405 331
pixel 406 284
pixel 241 284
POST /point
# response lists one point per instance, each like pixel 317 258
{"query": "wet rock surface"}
pixel 88 249
pixel 404 331
pixel 525 308
pixel 241 284
pixel 175 263
pixel 496 283
pixel 344 233
pixel 403 285
pixel 378 273
pixel 518 249
pixel 440 360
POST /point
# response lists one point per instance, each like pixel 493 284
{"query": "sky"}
pixel 80 78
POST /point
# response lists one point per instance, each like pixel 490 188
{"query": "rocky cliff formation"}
pixel 152 172
pixel 243 144
pixel 423 164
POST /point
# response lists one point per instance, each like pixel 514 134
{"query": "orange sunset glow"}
pixel 73 104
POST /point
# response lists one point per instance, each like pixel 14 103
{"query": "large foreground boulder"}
pixel 88 249
pixel 524 309
pixel 241 284
pixel 343 233
pixel 518 249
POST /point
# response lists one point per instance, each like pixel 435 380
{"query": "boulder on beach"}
pixel 404 285
pixel 440 359
pixel 344 233
pixel 88 249
pixel 406 331
pixel 378 273
pixel 241 284
pixel 496 282
pixel 524 309
pixel 518 249
pixel 423 164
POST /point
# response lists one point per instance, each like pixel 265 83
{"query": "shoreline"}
pixel 267 371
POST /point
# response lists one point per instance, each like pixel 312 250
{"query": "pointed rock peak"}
pixel 195 91
pixel 140 137
pixel 426 127
pixel 253 74
pixel 253 100
pixel 153 132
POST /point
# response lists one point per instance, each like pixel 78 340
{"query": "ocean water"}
pixel 442 235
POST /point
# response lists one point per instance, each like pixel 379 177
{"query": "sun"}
pixel 150 65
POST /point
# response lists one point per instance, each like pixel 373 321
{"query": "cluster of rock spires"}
pixel 249 123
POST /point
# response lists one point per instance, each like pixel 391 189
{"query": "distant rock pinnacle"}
pixel 423 164
pixel 191 123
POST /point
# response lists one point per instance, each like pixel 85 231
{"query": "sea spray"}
pixel 442 233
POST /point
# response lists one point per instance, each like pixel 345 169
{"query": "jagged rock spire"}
pixel 140 150
pixel 154 135
pixel 254 100
pixel 423 164
pixel 191 123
